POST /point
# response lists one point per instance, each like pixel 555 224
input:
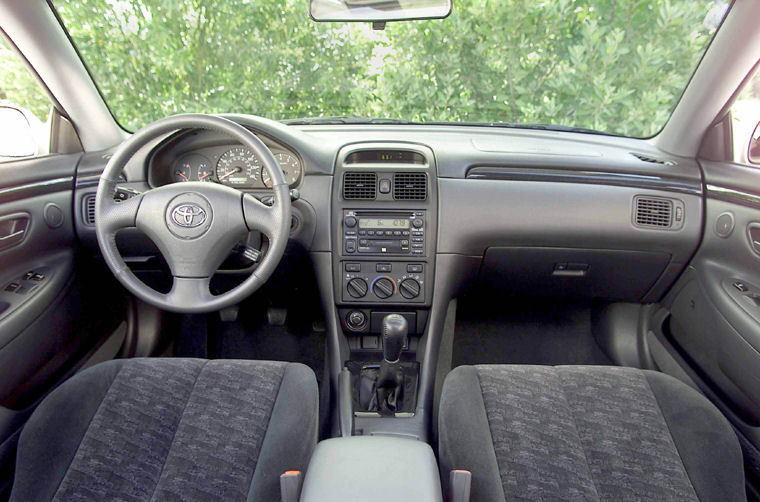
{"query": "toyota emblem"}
pixel 188 215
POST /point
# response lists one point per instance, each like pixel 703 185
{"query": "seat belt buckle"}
pixel 290 486
pixel 459 485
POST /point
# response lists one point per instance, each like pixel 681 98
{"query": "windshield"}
pixel 615 67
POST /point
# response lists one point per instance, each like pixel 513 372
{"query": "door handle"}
pixel 13 229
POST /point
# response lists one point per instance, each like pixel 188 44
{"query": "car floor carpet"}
pixel 525 331
pixel 252 337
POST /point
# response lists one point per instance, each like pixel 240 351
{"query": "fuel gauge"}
pixel 191 167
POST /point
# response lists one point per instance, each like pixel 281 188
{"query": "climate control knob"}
pixel 409 288
pixel 383 288
pixel 357 287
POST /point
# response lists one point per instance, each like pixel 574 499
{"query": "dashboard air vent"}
pixel 653 212
pixel 409 186
pixel 359 185
pixel 88 209
pixel 652 160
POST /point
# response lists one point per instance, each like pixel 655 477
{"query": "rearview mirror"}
pixel 378 11
pixel 753 154
pixel 17 138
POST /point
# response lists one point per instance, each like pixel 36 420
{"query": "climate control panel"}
pixel 371 281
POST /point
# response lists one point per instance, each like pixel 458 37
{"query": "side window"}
pixel 745 116
pixel 24 109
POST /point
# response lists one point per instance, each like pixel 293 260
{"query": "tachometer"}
pixel 238 166
pixel 290 166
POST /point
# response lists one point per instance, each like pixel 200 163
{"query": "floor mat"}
pixel 525 331
pixel 252 337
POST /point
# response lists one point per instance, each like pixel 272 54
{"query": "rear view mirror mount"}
pixel 378 12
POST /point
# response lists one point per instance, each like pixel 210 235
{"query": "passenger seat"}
pixel 590 433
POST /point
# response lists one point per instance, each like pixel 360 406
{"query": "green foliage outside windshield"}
pixel 614 66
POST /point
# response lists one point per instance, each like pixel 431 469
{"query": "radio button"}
pixel 405 232
pixel 404 243
pixel 350 245
pixel 397 232
pixel 363 242
pixel 370 232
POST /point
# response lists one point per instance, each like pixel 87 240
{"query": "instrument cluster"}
pixel 235 166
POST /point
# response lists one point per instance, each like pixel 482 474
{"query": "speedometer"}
pixel 238 166
pixel 290 168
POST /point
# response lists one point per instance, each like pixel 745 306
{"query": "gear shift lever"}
pixel 395 330
pixel 389 387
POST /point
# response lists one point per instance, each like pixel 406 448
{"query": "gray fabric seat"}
pixel 585 433
pixel 169 429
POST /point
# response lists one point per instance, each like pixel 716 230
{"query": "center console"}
pixel 384 215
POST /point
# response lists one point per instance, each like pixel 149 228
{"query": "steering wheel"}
pixel 193 224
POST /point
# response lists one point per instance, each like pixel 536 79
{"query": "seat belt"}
pixel 459 485
pixel 290 486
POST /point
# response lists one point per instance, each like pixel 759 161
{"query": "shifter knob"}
pixel 395 329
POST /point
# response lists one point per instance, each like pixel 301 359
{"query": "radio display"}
pixel 383 223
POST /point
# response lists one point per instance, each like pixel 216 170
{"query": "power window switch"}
pixel 13 287
pixel 741 286
pixel 28 276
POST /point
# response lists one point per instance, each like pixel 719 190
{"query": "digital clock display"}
pixel 391 223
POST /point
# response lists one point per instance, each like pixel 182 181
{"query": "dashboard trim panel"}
pixel 628 180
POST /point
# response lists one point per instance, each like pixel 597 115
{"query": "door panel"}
pixel 56 306
pixel 715 306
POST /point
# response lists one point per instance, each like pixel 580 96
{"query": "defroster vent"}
pixel 410 186
pixel 653 212
pixel 359 185
pixel 88 209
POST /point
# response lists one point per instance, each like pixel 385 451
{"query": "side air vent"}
pixel 359 185
pixel 410 186
pixel 653 212
pixel 88 209
pixel 653 160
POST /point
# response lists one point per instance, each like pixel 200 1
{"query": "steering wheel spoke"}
pixel 190 291
pixel 115 216
pixel 260 217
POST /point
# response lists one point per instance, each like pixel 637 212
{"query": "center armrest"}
pixel 372 468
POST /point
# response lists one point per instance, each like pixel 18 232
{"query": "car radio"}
pixel 384 232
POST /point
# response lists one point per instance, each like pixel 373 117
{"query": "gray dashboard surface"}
pixel 545 189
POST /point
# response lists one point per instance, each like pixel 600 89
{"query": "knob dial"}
pixel 357 287
pixel 417 223
pixel 356 320
pixel 409 288
pixel 383 288
pixel 350 221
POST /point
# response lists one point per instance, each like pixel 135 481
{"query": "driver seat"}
pixel 169 429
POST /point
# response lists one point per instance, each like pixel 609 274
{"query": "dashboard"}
pixel 233 165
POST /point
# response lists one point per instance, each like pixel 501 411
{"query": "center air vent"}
pixel 653 212
pixel 88 209
pixel 359 185
pixel 410 186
